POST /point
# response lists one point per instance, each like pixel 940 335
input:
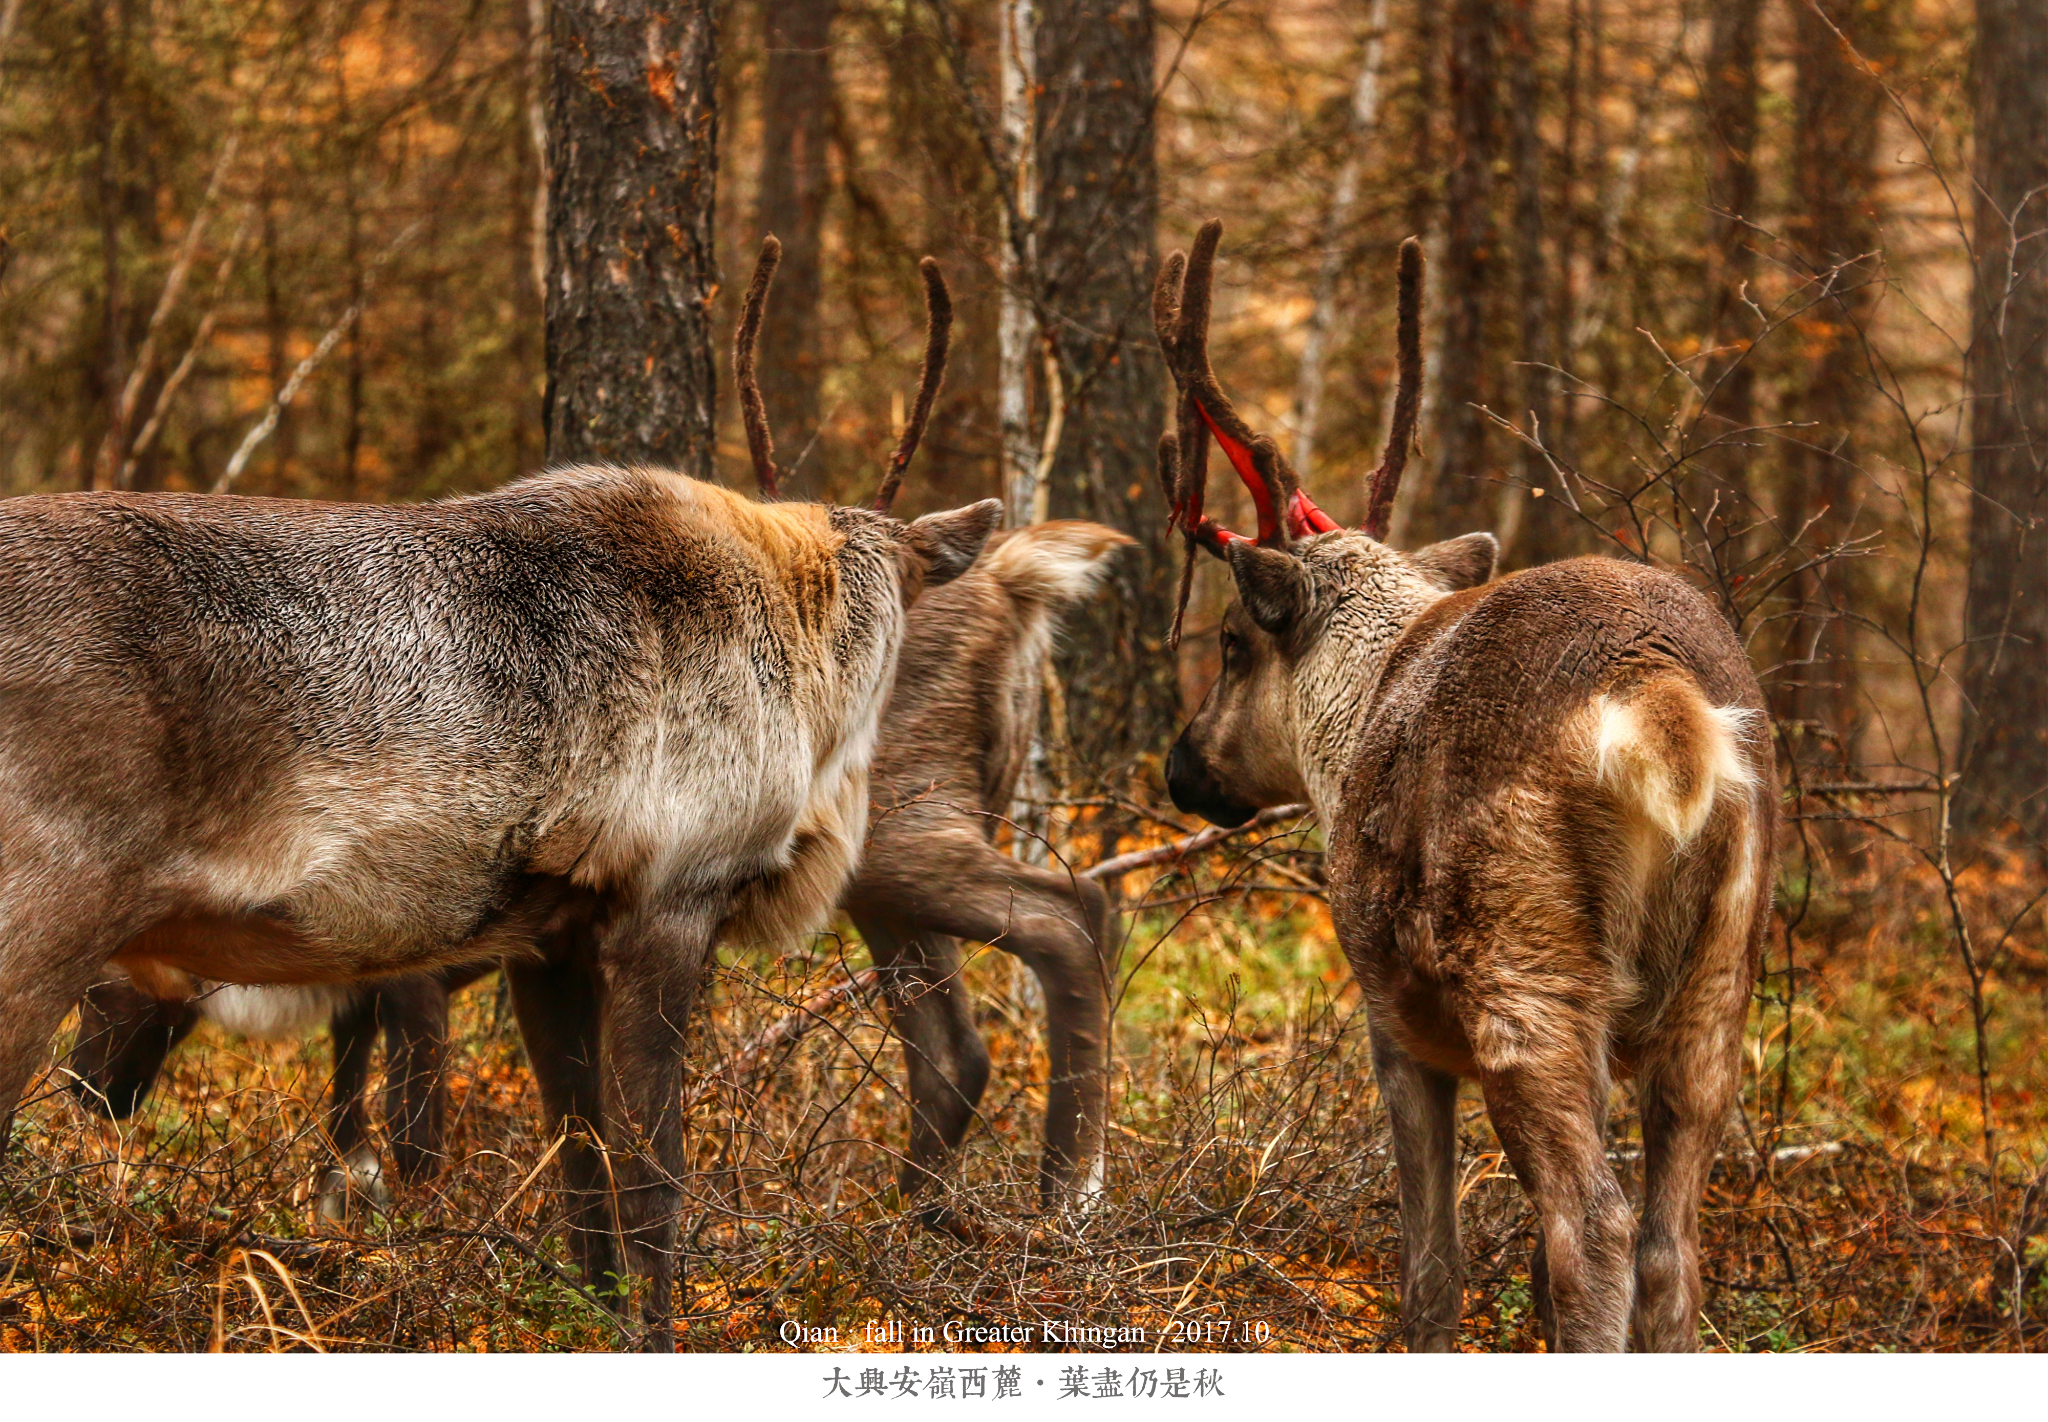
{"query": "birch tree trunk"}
pixel 632 174
pixel 1017 264
pixel 1337 243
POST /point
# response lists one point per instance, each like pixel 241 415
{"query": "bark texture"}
pixel 1728 116
pixel 1528 528
pixel 1099 205
pixel 1838 106
pixel 2006 674
pixel 795 186
pixel 1462 499
pixel 633 168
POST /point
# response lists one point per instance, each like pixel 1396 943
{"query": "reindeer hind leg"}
pixel 413 1012
pixel 1550 1115
pixel 1421 1104
pixel 356 1167
pixel 945 1061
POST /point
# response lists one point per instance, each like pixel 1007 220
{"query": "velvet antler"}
pixel 1180 313
pixel 938 306
pixel 1386 480
pixel 753 411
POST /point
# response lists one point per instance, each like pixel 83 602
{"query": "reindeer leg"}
pixel 53 947
pixel 124 1036
pixel 1059 926
pixel 559 1004
pixel 654 965
pixel 1686 1087
pixel 945 1059
pixel 1421 1104
pixel 1550 1114
pixel 354 1030
pixel 413 1011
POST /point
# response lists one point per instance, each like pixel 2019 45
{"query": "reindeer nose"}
pixel 1195 791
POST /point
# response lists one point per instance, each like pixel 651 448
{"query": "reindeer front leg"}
pixel 559 1003
pixel 654 965
pixel 1421 1109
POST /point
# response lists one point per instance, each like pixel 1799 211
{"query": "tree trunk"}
pixel 1527 527
pixel 1462 499
pixel 2005 678
pixel 1337 240
pixel 1836 114
pixel 1099 199
pixel 104 57
pixel 1017 258
pixel 632 173
pixel 1728 103
pixel 795 184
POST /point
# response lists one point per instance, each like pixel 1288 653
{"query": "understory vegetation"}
pixel 1249 1179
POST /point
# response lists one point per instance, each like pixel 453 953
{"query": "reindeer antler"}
pixel 1180 318
pixel 1379 499
pixel 938 307
pixel 753 411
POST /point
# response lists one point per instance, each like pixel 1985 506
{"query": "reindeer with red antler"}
pixel 1551 808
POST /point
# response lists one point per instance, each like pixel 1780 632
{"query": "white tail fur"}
pixel 1665 750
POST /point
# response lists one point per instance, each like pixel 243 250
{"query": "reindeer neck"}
pixel 1338 681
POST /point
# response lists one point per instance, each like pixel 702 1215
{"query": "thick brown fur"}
pixel 1551 806
pixel 961 715
pixel 957 732
pixel 584 722
pixel 1552 809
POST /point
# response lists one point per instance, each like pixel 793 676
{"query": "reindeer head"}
pixel 931 550
pixel 1318 606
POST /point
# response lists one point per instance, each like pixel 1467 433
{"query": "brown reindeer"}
pixel 1551 807
pixel 953 745
pixel 590 723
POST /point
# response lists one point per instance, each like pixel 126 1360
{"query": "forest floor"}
pixel 1249 1200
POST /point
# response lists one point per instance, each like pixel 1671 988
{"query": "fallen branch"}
pixel 1190 844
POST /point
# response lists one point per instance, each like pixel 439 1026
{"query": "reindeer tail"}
pixel 1052 564
pixel 1670 756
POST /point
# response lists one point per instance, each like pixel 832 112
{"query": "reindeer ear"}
pixel 949 542
pixel 1272 585
pixel 1458 563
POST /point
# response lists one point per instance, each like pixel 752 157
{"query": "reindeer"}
pixel 588 723
pixel 1550 802
pixel 953 745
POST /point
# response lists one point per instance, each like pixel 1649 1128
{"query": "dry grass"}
pixel 1249 1177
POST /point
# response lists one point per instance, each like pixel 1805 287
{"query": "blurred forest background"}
pixel 1754 288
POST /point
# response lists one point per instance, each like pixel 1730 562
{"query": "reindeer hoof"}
pixel 361 1174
